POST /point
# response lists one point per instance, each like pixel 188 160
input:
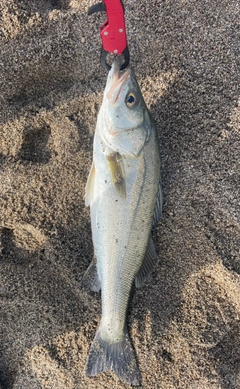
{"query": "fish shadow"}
pixel 190 116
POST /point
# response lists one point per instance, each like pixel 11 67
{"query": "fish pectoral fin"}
pixel 115 166
pixel 118 357
pixel 89 190
pixel 147 265
pixel 157 215
pixel 90 279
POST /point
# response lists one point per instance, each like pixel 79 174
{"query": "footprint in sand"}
pixel 35 145
pixel 23 242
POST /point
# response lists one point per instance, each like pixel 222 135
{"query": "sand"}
pixel 184 322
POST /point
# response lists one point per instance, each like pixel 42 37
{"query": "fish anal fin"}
pixel 118 357
pixel 89 190
pixel 147 265
pixel 90 279
pixel 115 166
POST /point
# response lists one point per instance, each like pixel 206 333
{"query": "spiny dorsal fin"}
pixel 147 265
pixel 157 215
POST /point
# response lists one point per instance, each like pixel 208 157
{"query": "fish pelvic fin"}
pixel 118 357
pixel 89 190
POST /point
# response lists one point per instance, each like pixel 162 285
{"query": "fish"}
pixel 124 192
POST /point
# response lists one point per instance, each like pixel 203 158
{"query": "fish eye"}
pixel 131 100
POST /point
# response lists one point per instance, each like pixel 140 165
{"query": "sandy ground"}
pixel 184 322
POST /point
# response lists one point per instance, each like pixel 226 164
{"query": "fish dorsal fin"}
pixel 115 166
pixel 157 215
pixel 147 265
pixel 89 190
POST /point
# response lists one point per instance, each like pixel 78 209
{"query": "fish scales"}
pixel 122 192
pixel 127 245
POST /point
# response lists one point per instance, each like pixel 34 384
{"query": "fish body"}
pixel 125 198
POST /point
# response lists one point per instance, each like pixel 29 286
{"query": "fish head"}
pixel 123 101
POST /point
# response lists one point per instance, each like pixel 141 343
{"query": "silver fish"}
pixel 125 198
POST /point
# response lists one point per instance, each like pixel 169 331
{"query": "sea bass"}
pixel 125 198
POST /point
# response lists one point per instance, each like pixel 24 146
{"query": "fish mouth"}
pixel 116 81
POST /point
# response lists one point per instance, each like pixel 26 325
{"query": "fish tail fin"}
pixel 118 357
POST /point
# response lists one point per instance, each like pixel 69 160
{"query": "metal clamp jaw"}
pixel 113 31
